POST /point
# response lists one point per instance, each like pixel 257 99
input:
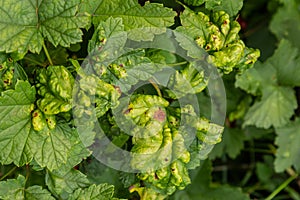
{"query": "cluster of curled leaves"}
pixel 42 128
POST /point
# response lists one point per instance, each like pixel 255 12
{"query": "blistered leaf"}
pixel 10 73
pixel 25 24
pixel 218 35
pixel 15 189
pixel 190 80
pixel 55 87
pixel 288 152
pixel 15 125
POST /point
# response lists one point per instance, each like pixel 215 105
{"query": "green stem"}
pixel 34 61
pixel 176 64
pixel 282 186
pixel 47 54
pixel 156 87
pixel 27 173
pixel 8 173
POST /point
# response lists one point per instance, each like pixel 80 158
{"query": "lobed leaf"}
pixel 15 125
pixel 15 189
pixel 25 24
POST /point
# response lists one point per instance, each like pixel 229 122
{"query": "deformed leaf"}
pixel 55 87
pixel 15 125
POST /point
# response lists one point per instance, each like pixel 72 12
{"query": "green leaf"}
pixel 218 36
pixel 12 188
pixel 286 61
pixel 232 7
pixel 37 193
pixel 10 73
pixel 133 14
pixel 15 125
pixel 52 147
pixel 255 79
pixel 288 152
pixel 285 22
pixel 15 189
pixel 232 143
pixel 273 83
pixel 55 87
pixel 99 192
pixel 275 108
pixel 194 2
pixel 62 183
pixel 25 24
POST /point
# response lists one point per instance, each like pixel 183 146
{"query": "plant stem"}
pixel 8 173
pixel 176 64
pixel 27 173
pixel 47 54
pixel 34 61
pixel 282 186
pixel 156 87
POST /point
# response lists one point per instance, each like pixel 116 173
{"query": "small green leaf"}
pixel 232 143
pixel 286 61
pixel 285 24
pixel 62 183
pixel 194 2
pixel 288 152
pixel 15 189
pixel 99 192
pixel 37 193
pixel 232 7
pixel 15 125
pixel 12 188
